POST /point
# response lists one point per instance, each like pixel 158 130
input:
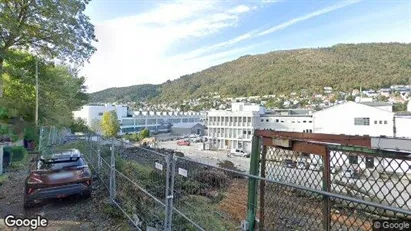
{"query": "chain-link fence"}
pixel 309 186
pixel 322 186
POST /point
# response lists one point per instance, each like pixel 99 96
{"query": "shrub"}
pixel 213 178
pixel 18 153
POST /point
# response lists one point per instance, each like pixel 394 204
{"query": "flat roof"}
pixel 376 104
pixel 185 125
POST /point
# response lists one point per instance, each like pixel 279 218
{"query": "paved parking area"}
pixel 206 156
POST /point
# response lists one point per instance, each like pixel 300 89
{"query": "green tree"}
pixel 400 107
pixel 145 133
pixel 350 98
pixel 79 125
pixel 55 29
pixel 61 91
pixel 110 126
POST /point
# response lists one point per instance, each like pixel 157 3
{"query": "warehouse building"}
pixel 187 129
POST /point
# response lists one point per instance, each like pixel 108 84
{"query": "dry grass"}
pixel 235 200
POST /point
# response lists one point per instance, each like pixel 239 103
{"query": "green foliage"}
pixel 144 133
pixel 126 94
pixel 53 28
pixel 133 137
pixel 343 67
pixel 400 107
pixel 61 91
pixel 109 124
pixel 79 125
pixel 17 153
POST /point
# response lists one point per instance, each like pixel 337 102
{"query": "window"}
pixel 244 132
pixel 262 120
pixel 310 121
pixel 249 132
pixel 375 122
pixel 385 122
pixel 282 121
pixel 100 114
pixel 362 121
pixel 310 131
pixel 299 121
pixel 293 122
pixel 277 120
pixel 353 159
pixel 369 162
pixel 380 121
pixel 304 121
pixel 266 120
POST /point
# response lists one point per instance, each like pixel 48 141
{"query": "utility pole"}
pixel 37 92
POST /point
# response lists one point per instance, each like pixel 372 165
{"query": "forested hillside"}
pixel 343 66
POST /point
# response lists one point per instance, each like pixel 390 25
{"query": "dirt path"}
pixel 66 214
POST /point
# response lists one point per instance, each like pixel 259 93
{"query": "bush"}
pixel 212 178
pixel 17 153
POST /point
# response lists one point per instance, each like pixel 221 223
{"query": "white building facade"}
pixel 233 129
pixel 354 119
pixel 135 121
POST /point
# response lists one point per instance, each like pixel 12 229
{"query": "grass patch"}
pixel 3 179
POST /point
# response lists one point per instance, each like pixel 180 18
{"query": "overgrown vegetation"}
pixel 372 65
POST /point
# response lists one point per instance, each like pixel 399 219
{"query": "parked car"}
pixel 183 143
pixel 289 163
pixel 60 175
pixel 238 152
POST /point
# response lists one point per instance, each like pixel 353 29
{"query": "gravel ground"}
pixel 206 156
pixel 71 213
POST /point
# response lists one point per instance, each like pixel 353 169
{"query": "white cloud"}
pixel 257 33
pixel 132 50
pixel 307 17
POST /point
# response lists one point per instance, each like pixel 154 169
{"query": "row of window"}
pixel 292 121
pixel 366 121
pixel 234 119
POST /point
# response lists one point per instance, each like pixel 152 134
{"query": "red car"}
pixel 183 143
pixel 61 175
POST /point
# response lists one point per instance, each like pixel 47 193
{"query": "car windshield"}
pixel 62 165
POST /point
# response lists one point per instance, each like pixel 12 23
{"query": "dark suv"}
pixel 60 175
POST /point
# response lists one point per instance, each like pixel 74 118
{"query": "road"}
pixel 206 156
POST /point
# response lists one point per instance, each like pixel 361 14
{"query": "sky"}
pixel 154 41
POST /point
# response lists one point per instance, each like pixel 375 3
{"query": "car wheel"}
pixel 29 204
pixel 86 194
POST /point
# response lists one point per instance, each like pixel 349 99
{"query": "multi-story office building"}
pixel 233 129
pixel 135 121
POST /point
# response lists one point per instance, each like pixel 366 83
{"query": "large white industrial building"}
pixel 135 121
pixel 233 129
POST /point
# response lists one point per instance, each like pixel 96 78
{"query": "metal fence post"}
pixel 40 147
pixel 99 162
pixel 170 175
pixel 326 187
pixel 1 158
pixel 252 184
pixel 112 173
